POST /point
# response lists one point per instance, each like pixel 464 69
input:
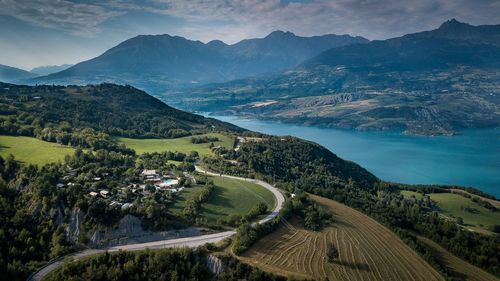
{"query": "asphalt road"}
pixel 171 243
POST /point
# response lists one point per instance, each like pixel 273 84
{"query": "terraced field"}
pixel 367 250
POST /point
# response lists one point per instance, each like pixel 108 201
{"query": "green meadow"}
pixel 451 205
pixel 33 151
pixel 475 216
pixel 179 144
pixel 409 193
pixel 231 197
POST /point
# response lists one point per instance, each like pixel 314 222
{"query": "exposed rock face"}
pixel 130 231
pixel 73 228
pixel 215 264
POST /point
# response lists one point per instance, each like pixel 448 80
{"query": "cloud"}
pixel 234 20
pixel 374 19
pixel 75 18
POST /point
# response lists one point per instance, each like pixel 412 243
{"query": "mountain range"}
pixel 10 74
pixel 159 62
pixel 432 82
pixel 49 69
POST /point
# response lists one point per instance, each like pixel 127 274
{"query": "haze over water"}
pixel 470 159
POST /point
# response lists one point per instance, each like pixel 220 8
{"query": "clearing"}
pixel 453 205
pixel 475 216
pixel 231 197
pixel 183 144
pixel 29 150
pixel 367 250
pixel 409 193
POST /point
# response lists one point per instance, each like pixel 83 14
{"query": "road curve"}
pixel 280 199
pixel 194 241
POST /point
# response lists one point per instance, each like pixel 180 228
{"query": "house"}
pixel 104 193
pixel 97 178
pixel 93 194
pixel 149 173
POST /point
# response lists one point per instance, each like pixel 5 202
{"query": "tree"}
pixel 332 253
pixel 495 228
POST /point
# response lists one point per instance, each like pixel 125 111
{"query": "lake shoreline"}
pixel 467 159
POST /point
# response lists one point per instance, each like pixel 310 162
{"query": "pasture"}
pixel 29 150
pixel 183 144
pixel 367 250
pixel 409 193
pixel 475 216
pixel 453 205
pixel 230 197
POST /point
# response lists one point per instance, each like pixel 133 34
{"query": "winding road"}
pixel 191 242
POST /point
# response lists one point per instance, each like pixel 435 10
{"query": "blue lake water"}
pixel 469 159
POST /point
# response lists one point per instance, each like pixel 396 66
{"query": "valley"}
pixel 329 157
pixel 435 82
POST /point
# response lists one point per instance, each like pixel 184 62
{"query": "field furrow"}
pixel 367 250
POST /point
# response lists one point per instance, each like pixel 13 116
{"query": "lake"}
pixel 469 159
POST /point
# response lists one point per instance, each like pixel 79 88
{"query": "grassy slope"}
pixel 180 144
pixel 460 268
pixel 33 151
pixel 408 193
pixel 231 197
pixel 452 205
pixel 368 250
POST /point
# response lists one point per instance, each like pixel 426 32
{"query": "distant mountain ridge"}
pixel 49 69
pixel 431 82
pixel 158 62
pixel 12 74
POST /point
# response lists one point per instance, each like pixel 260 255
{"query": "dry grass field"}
pixel 460 268
pixel 367 250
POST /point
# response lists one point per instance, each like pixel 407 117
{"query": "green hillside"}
pixel 33 151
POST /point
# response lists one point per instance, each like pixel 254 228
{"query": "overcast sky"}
pixel 53 32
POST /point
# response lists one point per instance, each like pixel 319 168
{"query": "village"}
pixel 133 191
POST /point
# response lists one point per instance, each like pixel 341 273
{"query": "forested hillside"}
pixel 87 115
pixel 298 166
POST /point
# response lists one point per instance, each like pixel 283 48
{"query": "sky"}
pixel 53 32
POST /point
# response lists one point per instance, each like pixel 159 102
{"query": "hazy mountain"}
pixel 281 50
pixel 49 69
pixel 163 61
pixel 12 74
pixel 453 43
pixel 433 82
pixel 453 29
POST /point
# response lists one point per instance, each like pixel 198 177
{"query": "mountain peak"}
pixel 280 34
pixel 453 24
